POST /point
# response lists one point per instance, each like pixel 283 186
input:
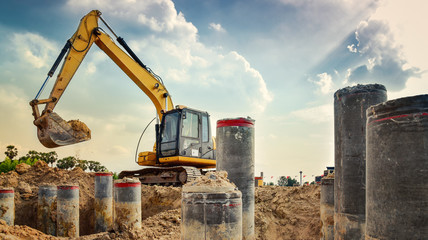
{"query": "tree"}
pixel 291 182
pixel 282 181
pixel 83 164
pixel 11 152
pixel 66 163
pixel 49 158
pixel 96 167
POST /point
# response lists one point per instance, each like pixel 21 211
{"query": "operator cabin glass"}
pixel 190 125
pixel 205 137
pixel 169 132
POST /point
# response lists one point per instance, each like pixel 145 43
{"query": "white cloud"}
pixel 158 15
pixel 385 58
pixel 319 114
pixel 407 23
pixel 217 27
pixel 325 83
pixel 33 49
pixel 173 51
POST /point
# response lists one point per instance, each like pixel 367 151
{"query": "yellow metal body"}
pixel 88 33
pixel 149 159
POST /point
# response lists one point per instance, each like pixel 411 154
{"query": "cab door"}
pixel 191 144
pixel 207 148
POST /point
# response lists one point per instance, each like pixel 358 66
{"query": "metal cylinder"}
pixel 7 205
pixel 127 203
pixel 46 209
pixel 350 106
pixel 103 202
pixel 235 155
pixel 211 214
pixel 68 211
pixel 327 208
pixel 397 169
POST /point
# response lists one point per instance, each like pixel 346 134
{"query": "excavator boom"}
pixel 184 143
pixel 52 130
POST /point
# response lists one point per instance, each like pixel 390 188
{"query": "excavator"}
pixel 184 145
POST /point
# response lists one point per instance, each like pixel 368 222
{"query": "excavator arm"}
pixel 52 130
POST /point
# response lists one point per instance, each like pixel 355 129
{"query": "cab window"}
pixel 205 137
pixel 169 131
pixel 190 125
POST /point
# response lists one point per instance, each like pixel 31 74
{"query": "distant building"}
pixel 258 181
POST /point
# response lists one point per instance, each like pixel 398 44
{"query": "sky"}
pixel 276 61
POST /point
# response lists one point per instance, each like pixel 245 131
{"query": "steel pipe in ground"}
pixel 350 106
pixel 46 209
pixel 127 204
pixel 397 169
pixel 68 211
pixel 103 201
pixel 327 208
pixel 235 155
pixel 211 213
pixel 7 205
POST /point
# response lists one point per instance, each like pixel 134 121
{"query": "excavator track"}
pixel 164 176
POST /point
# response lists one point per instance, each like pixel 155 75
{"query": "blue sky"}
pixel 277 61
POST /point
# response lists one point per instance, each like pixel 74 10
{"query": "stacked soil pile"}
pixel 26 181
pixel 281 212
pixel 287 212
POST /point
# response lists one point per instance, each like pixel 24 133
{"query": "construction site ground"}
pixel 280 212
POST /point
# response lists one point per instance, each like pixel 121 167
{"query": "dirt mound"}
pixel 287 212
pixel 27 186
pixel 79 126
pixel 280 212
pixel 21 232
pixel 157 199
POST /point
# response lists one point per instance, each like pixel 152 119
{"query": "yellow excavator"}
pixel 184 144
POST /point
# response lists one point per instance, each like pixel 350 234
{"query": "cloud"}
pixel 188 67
pixel 385 60
pixel 216 27
pixel 325 83
pixel 33 49
pixel 315 115
pixel 159 16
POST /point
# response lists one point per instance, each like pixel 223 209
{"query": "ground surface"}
pixel 280 212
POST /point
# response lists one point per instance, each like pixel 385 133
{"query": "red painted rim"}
pixel 399 116
pixel 67 187
pixel 6 191
pixel 103 174
pixel 240 122
pixel 122 185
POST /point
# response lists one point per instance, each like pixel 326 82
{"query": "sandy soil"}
pixel 280 212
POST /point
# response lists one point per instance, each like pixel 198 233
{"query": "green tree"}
pixel 96 167
pixel 11 152
pixel 83 164
pixel 291 182
pixel 49 158
pixel 282 181
pixel 66 163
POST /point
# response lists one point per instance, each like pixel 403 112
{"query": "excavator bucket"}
pixel 53 131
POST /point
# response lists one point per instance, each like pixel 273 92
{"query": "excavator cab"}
pixel 185 132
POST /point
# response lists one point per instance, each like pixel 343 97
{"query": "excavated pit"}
pixel 280 212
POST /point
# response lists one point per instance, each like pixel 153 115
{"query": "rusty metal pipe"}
pixel 127 204
pixel 68 211
pixel 103 201
pixel 46 209
pixel 7 205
